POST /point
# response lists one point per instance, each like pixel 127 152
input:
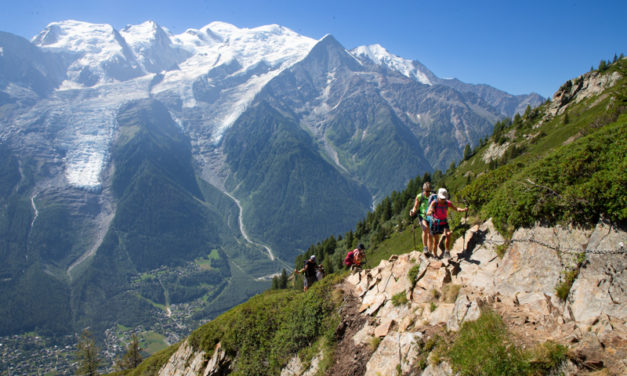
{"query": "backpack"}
pixel 310 271
pixel 432 198
pixel 350 259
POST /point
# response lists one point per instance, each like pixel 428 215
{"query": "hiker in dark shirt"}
pixel 310 272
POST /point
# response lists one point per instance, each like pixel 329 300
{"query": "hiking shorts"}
pixel 422 225
pixel 309 280
pixel 437 227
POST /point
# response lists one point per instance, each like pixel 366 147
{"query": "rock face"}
pixel 580 88
pixel 520 287
pixel 393 310
pixel 186 362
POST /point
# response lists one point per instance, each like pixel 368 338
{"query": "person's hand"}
pixel 411 213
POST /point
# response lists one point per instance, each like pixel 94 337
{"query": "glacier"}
pixel 108 68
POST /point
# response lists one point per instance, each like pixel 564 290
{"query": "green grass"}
pixel 263 333
pixel 399 299
pixel 413 274
pixel 397 244
pixel 484 347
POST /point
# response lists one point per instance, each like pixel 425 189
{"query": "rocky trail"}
pixel 393 314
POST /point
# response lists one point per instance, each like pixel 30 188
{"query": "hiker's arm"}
pixel 414 210
pixel 431 209
pixel 458 209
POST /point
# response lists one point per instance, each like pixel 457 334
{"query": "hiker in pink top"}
pixel 438 224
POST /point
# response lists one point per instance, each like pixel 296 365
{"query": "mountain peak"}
pixel 408 68
pixel 68 34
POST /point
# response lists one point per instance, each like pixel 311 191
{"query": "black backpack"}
pixel 310 268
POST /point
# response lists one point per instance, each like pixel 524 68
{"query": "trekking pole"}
pixel 413 232
pixel 466 222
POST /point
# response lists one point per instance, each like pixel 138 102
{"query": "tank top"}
pixel 441 211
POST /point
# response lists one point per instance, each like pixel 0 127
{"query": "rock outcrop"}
pixel 392 311
pixel 520 287
pixel 580 88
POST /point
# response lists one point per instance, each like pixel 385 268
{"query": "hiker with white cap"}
pixel 310 272
pixel 438 224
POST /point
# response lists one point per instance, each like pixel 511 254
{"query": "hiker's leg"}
pixel 447 244
pixel 436 243
pixel 431 244
pixel 425 233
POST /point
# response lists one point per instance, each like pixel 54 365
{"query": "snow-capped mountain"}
pixel 153 47
pixel 129 154
pixel 218 69
pixel 408 68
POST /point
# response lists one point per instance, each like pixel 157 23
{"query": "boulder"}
pixel 293 368
pixel 440 315
pixel 363 336
pixel 465 309
pixel 184 362
pixel 440 369
pixel 372 302
pixel 531 264
pixel 395 349
pixel 384 328
pixel 478 261
pixel 601 286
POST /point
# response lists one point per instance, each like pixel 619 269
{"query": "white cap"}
pixel 442 194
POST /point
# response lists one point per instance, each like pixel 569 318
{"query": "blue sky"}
pixel 517 46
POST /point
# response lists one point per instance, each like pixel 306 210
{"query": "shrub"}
pixel 575 184
pixel 450 292
pixel 399 299
pixel 413 274
pixel 547 356
pixel 482 348
pixel 374 343
pixel 263 333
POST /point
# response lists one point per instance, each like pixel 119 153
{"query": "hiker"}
pixel 420 207
pixel 320 273
pixel 437 216
pixel 355 257
pixel 310 272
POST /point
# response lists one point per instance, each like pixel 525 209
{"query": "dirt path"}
pixel 350 359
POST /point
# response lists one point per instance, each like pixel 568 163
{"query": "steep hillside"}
pixel 536 284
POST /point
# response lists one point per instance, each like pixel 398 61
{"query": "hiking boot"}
pixel 446 254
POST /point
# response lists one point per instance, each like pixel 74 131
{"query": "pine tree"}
pixel 132 358
pixel 467 152
pixel 283 280
pixel 426 177
pixel 349 239
pixel 87 355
